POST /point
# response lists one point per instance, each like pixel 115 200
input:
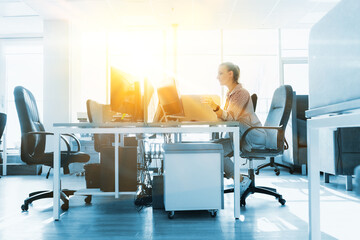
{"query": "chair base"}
pixel 275 165
pixel 264 190
pixel 64 195
pixel 253 189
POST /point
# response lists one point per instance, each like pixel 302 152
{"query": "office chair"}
pixel 2 128
pixel 33 140
pixel 272 162
pixel 2 124
pixel 299 134
pixel 277 119
pixel 254 100
pixel 100 113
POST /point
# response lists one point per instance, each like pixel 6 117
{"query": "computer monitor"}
pixel 169 99
pixel 150 102
pixel 125 95
pixel 195 110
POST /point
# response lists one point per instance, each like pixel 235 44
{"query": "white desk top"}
pixel 142 124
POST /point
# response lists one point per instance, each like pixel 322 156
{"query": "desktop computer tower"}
pixel 158 192
pixel 127 169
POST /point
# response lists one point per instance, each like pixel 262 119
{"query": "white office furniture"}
pixel 193 177
pixel 119 129
pixel 334 96
pixel 351 119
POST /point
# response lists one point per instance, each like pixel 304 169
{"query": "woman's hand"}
pixel 209 101
pixel 216 108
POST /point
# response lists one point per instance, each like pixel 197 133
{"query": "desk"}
pixel 136 128
pixel 346 119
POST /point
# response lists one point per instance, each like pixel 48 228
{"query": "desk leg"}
pixel 116 165
pixel 56 181
pixel 314 182
pixel 236 175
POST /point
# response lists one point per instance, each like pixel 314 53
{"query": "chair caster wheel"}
pixel 171 215
pixel 257 172
pixel 291 171
pixel 88 199
pixel 24 207
pixel 277 173
pixel 65 206
pixel 242 203
pixel 282 201
pixel 213 213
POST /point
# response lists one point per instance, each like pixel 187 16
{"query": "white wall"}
pixel 75 71
pixel 56 72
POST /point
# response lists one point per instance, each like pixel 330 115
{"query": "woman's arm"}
pixel 237 102
pixel 216 108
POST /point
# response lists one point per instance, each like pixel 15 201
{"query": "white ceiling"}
pixel 185 13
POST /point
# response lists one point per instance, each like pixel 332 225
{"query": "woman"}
pixel 238 107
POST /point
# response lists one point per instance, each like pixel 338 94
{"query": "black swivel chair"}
pixel 2 128
pixel 100 113
pixel 299 134
pixel 2 123
pixel 254 100
pixel 33 140
pixel 276 120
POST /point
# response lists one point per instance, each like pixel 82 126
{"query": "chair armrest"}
pixel 50 133
pixel 40 133
pixel 64 139
pixel 75 138
pixel 242 140
pixel 286 147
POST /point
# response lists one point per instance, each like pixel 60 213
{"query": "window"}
pixel 294 53
pixel 297 75
pixel 294 42
pixel 26 55
pixel 195 56
pixel 198 57
pixel 140 53
pixel 260 75
pixel 256 54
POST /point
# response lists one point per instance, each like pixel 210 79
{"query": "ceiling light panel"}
pixel 15 9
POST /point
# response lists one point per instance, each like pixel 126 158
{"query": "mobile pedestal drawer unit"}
pixel 193 177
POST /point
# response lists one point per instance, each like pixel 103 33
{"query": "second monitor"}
pixel 125 95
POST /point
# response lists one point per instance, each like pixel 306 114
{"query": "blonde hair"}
pixel 234 68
